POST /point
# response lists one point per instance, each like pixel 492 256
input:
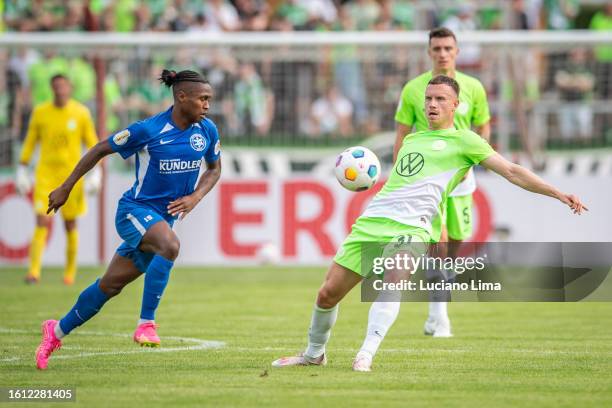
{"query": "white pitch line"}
pixel 211 344
pixel 198 344
pixel 433 351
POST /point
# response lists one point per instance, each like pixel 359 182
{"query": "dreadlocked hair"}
pixel 171 77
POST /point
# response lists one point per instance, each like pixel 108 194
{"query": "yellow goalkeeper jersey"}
pixel 61 133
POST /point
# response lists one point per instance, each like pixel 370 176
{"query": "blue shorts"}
pixel 132 221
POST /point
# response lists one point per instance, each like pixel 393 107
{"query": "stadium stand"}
pixel 266 95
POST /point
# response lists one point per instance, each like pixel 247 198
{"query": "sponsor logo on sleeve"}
pixel 217 147
pixel 121 138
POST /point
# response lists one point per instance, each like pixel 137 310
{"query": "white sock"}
pixel 380 319
pixel 320 329
pixel 57 330
pixel 438 310
pixel 143 321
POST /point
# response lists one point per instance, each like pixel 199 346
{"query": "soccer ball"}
pixel 357 168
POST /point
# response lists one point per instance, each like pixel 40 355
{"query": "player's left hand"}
pixel 182 206
pixel 574 203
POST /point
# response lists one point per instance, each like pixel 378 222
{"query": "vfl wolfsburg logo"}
pixel 410 164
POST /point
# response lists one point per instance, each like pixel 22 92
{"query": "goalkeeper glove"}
pixel 93 181
pixel 23 183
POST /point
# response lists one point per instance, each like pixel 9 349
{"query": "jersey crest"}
pixel 197 142
pixel 438 145
pixel 463 108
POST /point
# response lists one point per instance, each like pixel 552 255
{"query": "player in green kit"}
pixel 431 164
pixel 472 112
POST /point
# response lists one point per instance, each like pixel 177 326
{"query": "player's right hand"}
pixel 57 198
pixel 23 183
pixel 574 203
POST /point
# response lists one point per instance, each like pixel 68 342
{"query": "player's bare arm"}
pixel 58 197
pixel 484 131
pixel 401 131
pixel 184 205
pixel 527 180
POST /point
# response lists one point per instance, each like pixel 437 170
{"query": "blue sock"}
pixel 156 279
pixel 90 301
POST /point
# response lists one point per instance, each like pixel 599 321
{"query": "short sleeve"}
pixel 214 148
pixel 404 113
pixel 481 113
pixel 130 140
pixel 475 148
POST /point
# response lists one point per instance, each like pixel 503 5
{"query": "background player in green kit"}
pixel 472 112
pixel 407 205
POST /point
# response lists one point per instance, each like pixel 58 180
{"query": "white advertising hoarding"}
pixel 304 219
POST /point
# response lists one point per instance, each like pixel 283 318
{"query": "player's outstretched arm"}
pixel 529 181
pixel 58 197
pixel 401 131
pixel 183 206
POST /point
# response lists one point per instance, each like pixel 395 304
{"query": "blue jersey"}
pixel 168 159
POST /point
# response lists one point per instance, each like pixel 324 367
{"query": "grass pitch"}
pixel 503 354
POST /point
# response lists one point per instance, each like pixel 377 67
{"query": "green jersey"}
pixel 429 166
pixel 473 110
pixel 602 22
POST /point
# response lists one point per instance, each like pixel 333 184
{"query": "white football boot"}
pixel 437 328
pixel 442 328
pixel 429 327
pixel 299 360
pixel 362 362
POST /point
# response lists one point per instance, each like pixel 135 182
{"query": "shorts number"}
pixel 466 215
pixel 403 239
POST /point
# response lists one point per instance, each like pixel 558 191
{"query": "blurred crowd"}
pixel 286 15
pixel 346 92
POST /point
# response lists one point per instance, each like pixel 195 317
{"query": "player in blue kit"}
pixel 170 148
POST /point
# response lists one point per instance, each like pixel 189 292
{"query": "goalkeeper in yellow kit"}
pixel 60 127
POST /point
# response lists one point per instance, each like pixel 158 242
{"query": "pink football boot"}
pixel 146 336
pixel 48 345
